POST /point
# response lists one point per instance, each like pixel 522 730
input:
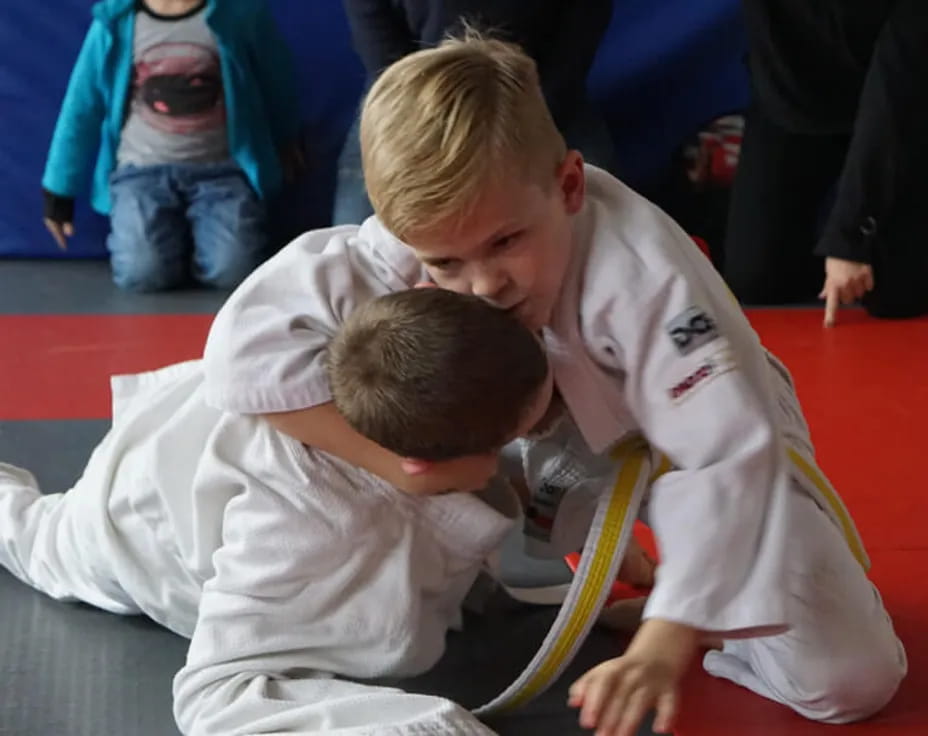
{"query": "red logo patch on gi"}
pixel 710 368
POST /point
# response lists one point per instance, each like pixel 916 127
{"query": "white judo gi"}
pixel 646 339
pixel 282 563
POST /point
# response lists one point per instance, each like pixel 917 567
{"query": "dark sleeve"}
pixel 58 209
pixel 564 68
pixel 888 153
pixel 380 32
pixel 275 70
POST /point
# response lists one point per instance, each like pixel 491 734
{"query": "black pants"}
pixel 834 160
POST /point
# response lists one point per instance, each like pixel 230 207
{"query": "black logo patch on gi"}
pixel 692 329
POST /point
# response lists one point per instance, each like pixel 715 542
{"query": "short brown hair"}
pixel 434 375
pixel 442 124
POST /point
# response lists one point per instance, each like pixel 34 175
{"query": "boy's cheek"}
pixel 479 476
pixel 458 285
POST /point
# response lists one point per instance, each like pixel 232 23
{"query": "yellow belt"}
pixel 603 552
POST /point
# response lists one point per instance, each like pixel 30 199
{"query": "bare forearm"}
pixel 324 428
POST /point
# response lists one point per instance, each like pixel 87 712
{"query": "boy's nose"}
pixel 490 285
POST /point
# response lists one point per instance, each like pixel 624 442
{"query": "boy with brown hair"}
pixel 476 190
pixel 405 370
pixel 282 563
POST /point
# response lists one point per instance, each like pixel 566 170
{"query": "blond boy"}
pixel 475 190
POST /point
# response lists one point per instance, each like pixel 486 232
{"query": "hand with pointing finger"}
pixel 845 283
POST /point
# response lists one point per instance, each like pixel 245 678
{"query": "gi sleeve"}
pixel 696 380
pixel 271 622
pixel 266 348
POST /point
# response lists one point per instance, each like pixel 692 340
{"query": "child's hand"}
pixel 616 695
pixel 60 231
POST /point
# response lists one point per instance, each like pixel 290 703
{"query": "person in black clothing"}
pixel 839 91
pixel 562 36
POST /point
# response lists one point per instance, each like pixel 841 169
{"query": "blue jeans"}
pixel 352 207
pixel 176 221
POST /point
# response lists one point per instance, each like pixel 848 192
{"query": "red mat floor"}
pixel 60 366
pixel 864 386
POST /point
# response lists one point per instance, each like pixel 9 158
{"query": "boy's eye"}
pixel 506 240
pixel 443 264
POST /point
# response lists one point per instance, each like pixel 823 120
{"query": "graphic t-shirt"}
pixel 177 111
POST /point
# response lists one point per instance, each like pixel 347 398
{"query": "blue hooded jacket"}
pixel 262 109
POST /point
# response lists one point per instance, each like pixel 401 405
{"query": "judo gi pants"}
pixel 56 543
pixel 841 661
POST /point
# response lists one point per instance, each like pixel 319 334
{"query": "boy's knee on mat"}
pixel 144 274
pixel 228 272
pixel 850 688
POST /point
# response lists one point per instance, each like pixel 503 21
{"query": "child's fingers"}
pixel 577 691
pixel 600 691
pixel 593 700
pixel 635 709
pixel 852 292
pixel 575 695
pixel 56 232
pixel 831 306
pixel 623 712
pixel 666 712
pixel 863 284
pixel 611 714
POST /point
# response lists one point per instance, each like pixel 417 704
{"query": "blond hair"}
pixel 434 375
pixel 442 124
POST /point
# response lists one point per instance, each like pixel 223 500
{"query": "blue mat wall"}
pixel 663 69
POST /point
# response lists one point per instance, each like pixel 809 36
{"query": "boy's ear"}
pixel 414 466
pixel 572 181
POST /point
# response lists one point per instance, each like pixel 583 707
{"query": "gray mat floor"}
pixel 85 287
